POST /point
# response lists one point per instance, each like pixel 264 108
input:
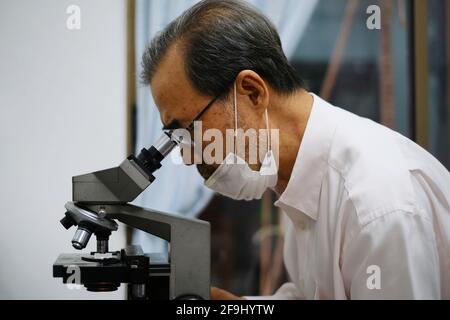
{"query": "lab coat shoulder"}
pixel 388 231
pixel 374 171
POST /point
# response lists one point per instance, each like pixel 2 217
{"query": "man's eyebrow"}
pixel 173 125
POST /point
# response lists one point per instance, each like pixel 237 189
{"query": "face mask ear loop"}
pixel 269 141
pixel 235 119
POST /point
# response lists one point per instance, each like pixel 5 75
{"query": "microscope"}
pixel 102 198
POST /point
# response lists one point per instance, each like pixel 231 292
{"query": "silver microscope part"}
pixel 79 214
pixel 81 238
pixel 165 144
pixel 83 234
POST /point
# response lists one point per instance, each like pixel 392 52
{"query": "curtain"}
pixel 179 189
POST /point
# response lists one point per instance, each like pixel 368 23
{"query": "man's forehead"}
pixel 170 80
pixel 172 91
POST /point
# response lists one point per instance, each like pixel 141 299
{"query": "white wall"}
pixel 62 113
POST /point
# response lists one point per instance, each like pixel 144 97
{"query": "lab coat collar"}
pixel 303 190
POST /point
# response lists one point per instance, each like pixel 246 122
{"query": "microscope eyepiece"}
pixel 150 159
pixel 165 144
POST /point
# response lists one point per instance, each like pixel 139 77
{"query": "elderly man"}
pixel 368 211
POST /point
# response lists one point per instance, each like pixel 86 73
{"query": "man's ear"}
pixel 250 84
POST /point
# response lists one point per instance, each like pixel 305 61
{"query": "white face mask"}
pixel 236 180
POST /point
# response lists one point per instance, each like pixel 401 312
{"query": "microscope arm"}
pixel 189 253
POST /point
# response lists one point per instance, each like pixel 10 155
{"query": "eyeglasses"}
pixel 202 113
pixel 171 127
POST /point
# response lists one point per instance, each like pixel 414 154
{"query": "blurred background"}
pixel 71 103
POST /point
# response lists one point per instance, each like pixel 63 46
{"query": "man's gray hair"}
pixel 220 38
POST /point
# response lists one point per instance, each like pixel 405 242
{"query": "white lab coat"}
pixel 367 214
